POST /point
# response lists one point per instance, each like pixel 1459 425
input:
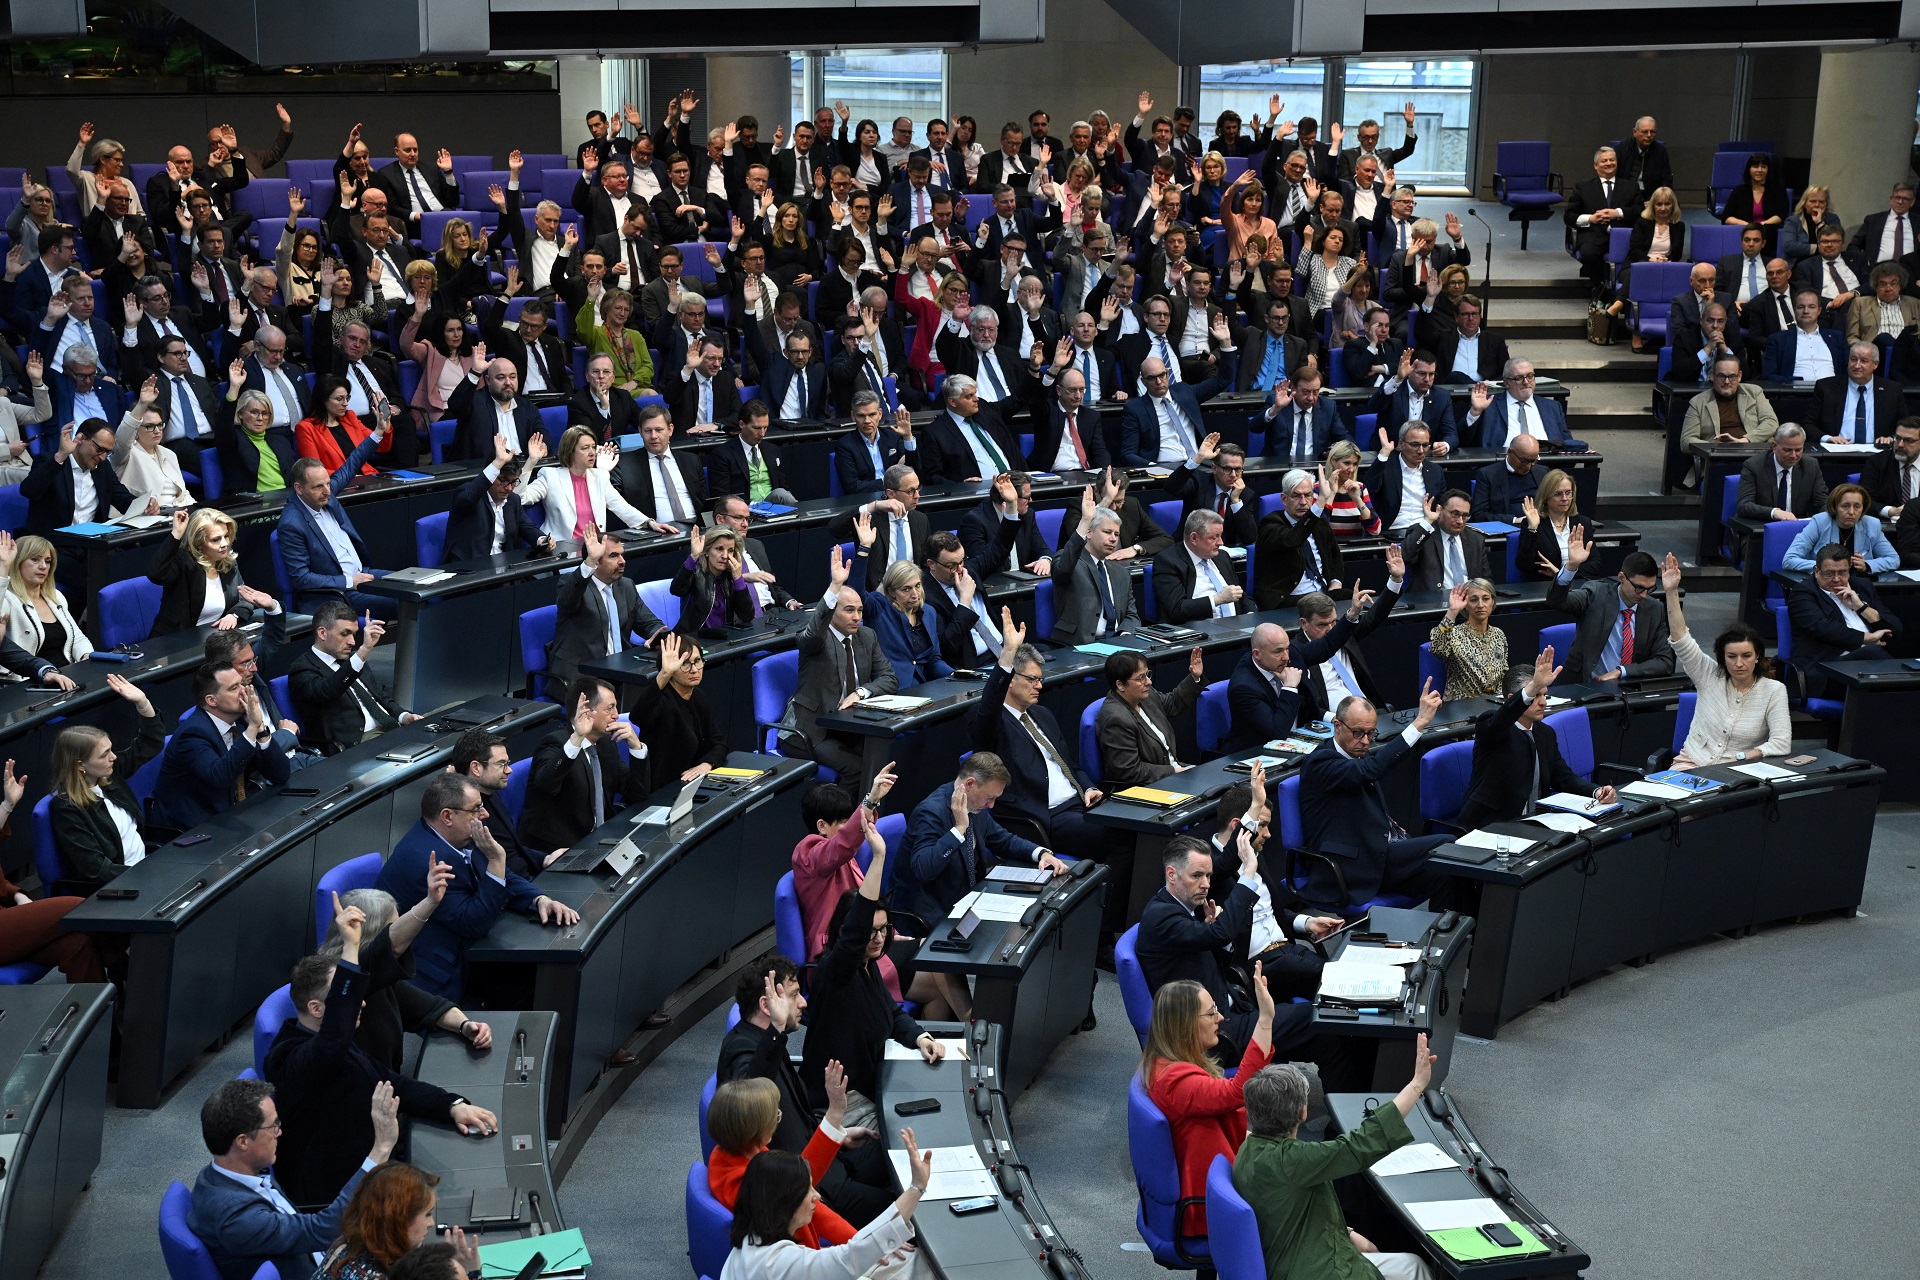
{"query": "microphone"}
pixel 1474 214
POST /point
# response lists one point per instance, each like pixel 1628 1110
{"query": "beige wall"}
pixel 1863 129
pixel 1091 59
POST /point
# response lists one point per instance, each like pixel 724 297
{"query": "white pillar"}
pixel 1863 125
pixel 758 85
pixel 579 93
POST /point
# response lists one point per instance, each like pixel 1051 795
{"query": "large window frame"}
pixel 811 88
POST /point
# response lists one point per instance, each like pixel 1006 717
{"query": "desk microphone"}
pixel 520 1052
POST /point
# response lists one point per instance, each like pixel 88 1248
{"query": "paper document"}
pixel 1761 769
pixel 563 1250
pixel 142 521
pixel 1345 979
pixel 1827 446
pixel 1561 821
pixel 1553 700
pixel 1655 791
pixel 1911 575
pixel 1019 875
pixel 1362 954
pixel 896 1052
pixel 1496 842
pixel 894 702
pixel 1438 1215
pixel 998 906
pixel 1573 802
pixel 1420 1157
pixel 1100 648
pixel 952 1184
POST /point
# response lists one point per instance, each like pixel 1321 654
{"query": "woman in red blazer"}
pixel 742 1118
pixel 332 430
pixel 1205 1111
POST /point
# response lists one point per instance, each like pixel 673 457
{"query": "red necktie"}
pixel 1073 433
pixel 1626 636
pixel 1222 505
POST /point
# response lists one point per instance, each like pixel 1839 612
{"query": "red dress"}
pixel 1208 1119
pixel 725 1170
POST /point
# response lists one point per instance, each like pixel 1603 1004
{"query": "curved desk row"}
pixel 53 1053
pixel 218 923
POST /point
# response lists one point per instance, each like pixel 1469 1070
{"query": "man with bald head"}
pixel 413 188
pixel 269 371
pixel 254 308
pixel 1072 439
pixel 840 663
pixel 493 408
pixel 1501 489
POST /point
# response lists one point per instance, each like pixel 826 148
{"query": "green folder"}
pixel 565 1251
pixel 1466 1244
pixel 1101 647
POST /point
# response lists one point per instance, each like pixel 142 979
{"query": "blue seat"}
pixel 1575 732
pixel 186 1256
pixel 893 829
pixel 1650 291
pixel 46 854
pixel 513 796
pixel 536 633
pixel 1444 772
pixel 775 677
pixel 1156 1173
pixel 1711 242
pixel 1287 802
pixel 1166 514
pixel 1683 718
pixel 1233 1232
pixel 280 577
pixel 1774 541
pixel 1825 708
pixel 282 694
pixel 1211 717
pixel 1090 741
pixel 1560 637
pixel 24 974
pixel 430 540
pixel 1729 494
pixel 1729 171
pixel 553 420
pixel 658 596
pixel 213 481
pixel 1048 522
pixel 267 1021
pixel 13 508
pixel 1432 670
pixel 709 1224
pixel 707 1091
pixel 440 437
pixel 1043 612
pixel 1270 503
pixel 789 930
pixel 354 873
pixel 126 610
pixel 1524 181
pixel 1133 982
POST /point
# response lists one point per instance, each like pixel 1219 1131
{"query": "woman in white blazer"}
pixel 143 466
pixel 574 490
pixel 38 619
pixel 775 1208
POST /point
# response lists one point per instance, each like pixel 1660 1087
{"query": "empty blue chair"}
pixel 1683 718
pixel 1774 541
pixel 46 854
pixel 280 577
pixel 1524 181
pixel 709 1223
pixel 126 611
pixel 513 796
pixel 1089 741
pixel 1575 732
pixel 775 677
pixel 186 1256
pixel 282 694
pixel 536 633
pixel 707 1091
pixel 1431 668
pixel 1156 1173
pixel 1560 637
pixel 1133 982
pixel 1211 717
pixel 658 596
pixel 430 540
pixel 440 437
pixel 13 508
pixel 1287 802
pixel 1650 290
pixel 789 929
pixel 1166 514
pixel 1712 242
pixel 553 420
pixel 1043 611
pixel 1444 772
pixel 1233 1232
pixel 267 1021
pixel 1729 494
pixel 213 481
pixel 1048 523
pixel 892 829
pixel 354 873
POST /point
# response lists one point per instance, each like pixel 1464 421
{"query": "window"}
pixel 874 86
pixel 1442 97
pixel 1249 87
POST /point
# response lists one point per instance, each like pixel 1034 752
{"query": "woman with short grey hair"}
pixel 394 1006
pixel 1289 1183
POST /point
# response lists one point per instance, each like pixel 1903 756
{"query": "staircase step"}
pixel 1503 290
pixel 1576 360
pixel 1640 507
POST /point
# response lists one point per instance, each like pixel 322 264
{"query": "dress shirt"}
pixel 282 396
pixel 1896 238
pixel 1752 279
pixel 615 641
pixel 762 595
pixel 1812 358
pixel 185 420
pixel 1176 435
pixel 1413 498
pixel 642 181
pixel 1854 620
pixel 537 379
pixel 1519 412
pixel 1207 582
pixel 424 199
pixel 994 384
pixel 1061 788
pixel 986 636
pixel 505 426
pixel 86 498
pixel 393 283
pixel 1027 335
pixel 1892 321
pixel 133 847
pixel 794 408
pixel 1312 572
pixel 986 454
pixel 1267 933
pixel 620 206
pixel 359 379
pixel 1836 278
pixel 1163 352
pixel 75 334
pixel 1089 367
pixel 1466 356
pixel 1193 335
pixel 86 404
pixel 1066 458
pixel 1364 200
pixel 1855 410
pixel 542 254
pixel 670 498
pixel 337 539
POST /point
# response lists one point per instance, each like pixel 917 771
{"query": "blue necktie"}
pixel 1860 429
pixel 192 415
pixel 1105 585
pixel 1753 278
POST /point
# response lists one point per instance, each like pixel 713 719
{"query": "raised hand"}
pixel 15 787
pixel 1670 575
pixel 838 568
pixel 1578 548
pixel 1544 672
pixel 1480 398
pixel 1430 508
pixel 1430 699
pixel 1530 512
pixel 1456 601
pixel 1396 562
pixel 863 528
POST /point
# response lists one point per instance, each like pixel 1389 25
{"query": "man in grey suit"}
pixel 1092 593
pixel 840 663
pixel 600 610
pixel 1622 632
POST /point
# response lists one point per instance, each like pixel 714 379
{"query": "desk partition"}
pixel 53 1053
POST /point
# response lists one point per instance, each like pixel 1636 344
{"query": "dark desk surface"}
pixel 1006 948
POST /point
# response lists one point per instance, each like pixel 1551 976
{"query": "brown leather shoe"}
pixel 621 1058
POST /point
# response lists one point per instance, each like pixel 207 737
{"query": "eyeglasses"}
pixel 275 1127
pixel 1035 681
pixel 1362 735
pixel 477 811
pixel 880 931
pixel 1527 378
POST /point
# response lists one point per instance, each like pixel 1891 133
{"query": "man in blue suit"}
pixel 1493 419
pixel 80 393
pixel 322 551
pixel 794 385
pixel 1142 443
pixel 1346 817
pixel 35 283
pixel 1501 489
pixel 1300 423
pixel 451 830
pixel 1793 355
pixel 239 1212
pixel 70 322
pixel 1409 395
pixel 864 455
pixel 1403 477
pixel 225 749
pixel 953 841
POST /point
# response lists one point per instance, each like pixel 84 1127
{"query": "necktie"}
pixel 667 493
pixel 880 385
pixel 993 450
pixel 991 368
pixel 1524 428
pixel 611 607
pixel 366 384
pixel 1220 505
pixel 1456 562
pixel 1216 585
pixel 217 279
pixel 1104 584
pixel 1166 358
pixel 1047 748
pixel 188 413
pixel 1786 489
pixel 599 786
pixel 970 854
pixel 372 705
pixel 1906 483
pixel 1899 236
pixel 419 192
pixel 1833 274
pixel 902 539
pixel 1753 276
pixel 1302 436
pixel 1533 790
pixel 1626 636
pixel 539 362
pixel 633 263
pixel 1072 424
pixel 1345 671
pixel 1086 372
pixel 1860 415
pixel 1400 235
pixel 1423 271
pixel 849 673
pixel 1606 193
pixel 1786 312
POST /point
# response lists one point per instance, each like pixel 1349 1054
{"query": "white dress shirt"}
pixel 1812 358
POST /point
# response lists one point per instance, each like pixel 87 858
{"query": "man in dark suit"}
pixel 541 366
pixel 1495 417
pixel 1009 222
pixel 1686 315
pixel 1892 476
pixel 969 442
pixel 1889 234
pixel 1274 350
pixel 948 166
pixel 490 409
pixel 223 749
pixel 984 533
pixel 1743 275
pixel 71 321
pixel 1322 160
pixel 156 319
pixel 678 334
pixel 1412 277
pixel 901 529
pixel 1786 466
pixel 1501 489
pixel 481 758
pixel 1858 407
pixel 854 368
pixel 1442 550
pixel 1807 351
pixel 649 472
pixel 631 252
pixel 579 770
pixel 339 704
pixel 1345 815
pixel 36 283
pixel 104 231
pixel 953 840
pixel 1092 588
pixel 412 188
pixel 1214 479
pixel 1838 274
pixel 1196 578
pixel 1009 386
pixel 185 402
pixel 682 211
pixel 598 404
pixel 1643 158
pixel 1071 437
pixel 840 663
pixel 1410 395
pixel 793 382
pixel 323 1082
pixel 747 465
pixel 863 456
pixel 1837 616
pixel 239 1211
pixel 1516 757
pixel 1011 166
pixel 322 551
pixel 1298 552
pixel 1768 313
pixel 1300 423
pixel 1165 426
pixel 703 391
pixel 1470 354
pixel 1283 679
pixel 1403 477
pixel 799 169
pixel 1047 797
pixel 600 611
pixel 966 633
pixel 1597 204
pixel 373 375
pixel 1622 631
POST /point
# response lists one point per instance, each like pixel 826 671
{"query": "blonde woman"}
pixel 1551 516
pixel 109 160
pixel 1800 234
pixel 199 577
pixel 38 619
pixel 573 492
pixel 1475 651
pixel 1344 499
pixel 460 268
pixel 95 815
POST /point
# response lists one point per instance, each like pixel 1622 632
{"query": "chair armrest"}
pixel 1179 1247
pixel 1607 775
pixel 1499 181
pixel 1556 183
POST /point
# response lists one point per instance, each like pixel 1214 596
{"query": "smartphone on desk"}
pixel 110 894
pixel 199 837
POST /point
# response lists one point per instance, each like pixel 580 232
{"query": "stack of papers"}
pixel 991 906
pixel 1572 822
pixel 1573 802
pixel 1439 1215
pixel 958 1172
pixel 1496 842
pixel 1358 981
pixel 1828 446
pixel 894 702
pixel 1361 953
pixel 1644 790
pixel 956 1049
pixel 1017 875
pixel 1761 769
pixel 1420 1157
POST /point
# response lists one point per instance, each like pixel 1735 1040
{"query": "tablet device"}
pixel 1325 945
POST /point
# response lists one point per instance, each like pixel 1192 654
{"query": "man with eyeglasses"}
pixel 901 526
pixel 1837 616
pixel 222 751
pixel 1403 476
pixel 1299 424
pixel 1622 630
pixel 269 372
pixel 71 321
pixel 1892 476
pixel 1408 396
pixel 339 702
pixel 253 309
pixel 1442 549
pixel 1470 353
pixel 1214 479
pixel 1502 490
pixel 1298 552
pixel 1518 412
pixel 150 318
pixel 1346 817
pixel 1859 407
pixel 186 402
pixel 1729 411
pixel 953 841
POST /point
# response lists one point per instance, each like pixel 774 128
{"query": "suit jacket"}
pixel 240 450
pixel 580 628
pixel 1489 431
pixel 1383 482
pixel 1344 815
pixel 1492 350
pixel 1596 607
pixel 1048 433
pixel 989 539
pixel 470 522
pixel 1176 943
pixel 559 808
pixel 1046 331
pixel 1880 477
pixel 505 341
pixel 1649 170
pixel 614 248
pixel 325 1081
pixel 787 160
pixel 683 398
pixel 1400 406
pixel 1253 352
pixel 1131 756
pixel 135 365
pixel 1811 271
pixel 728 471
pixel 854 464
pixel 32 291
pixel 473 409
pixel 1140 424
pixel 1866 241
pixel 991 729
pixel 1499 494
pixel 313 570
pixel 48 490
pixel 1820 630
pixel 1284 556
pixel 473 903
pixel 1781 349
pixel 936 869
pixel 1683 322
pixel 1258 712
pixel 198 770
pixel 957 355
pixel 1760 320
pixel 1404 289
pixel 1504 763
pixel 1076 593
pixel 1174 580
pixel 1863 318
pixel 1328 427
pixel 777 377
pixel 749 1052
pixel 1833 405
pixel 392 179
pixel 1425 552
pixel 242 1229
pixel 324 702
pixel 1196 487
pixel 946 455
pixel 183 589
pixel 656 301
pixel 1758 492
pixel 1640 241
pixel 1587 197
pixel 1357 360
pixel 819 689
pixel 621 418
pixel 88 841
pixel 636 472
pixel 918 529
